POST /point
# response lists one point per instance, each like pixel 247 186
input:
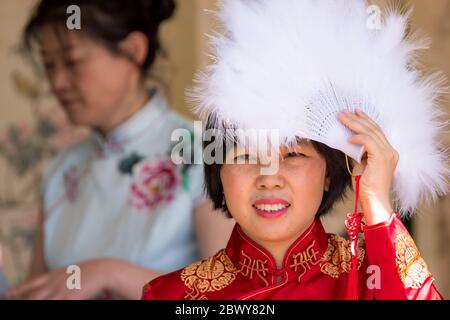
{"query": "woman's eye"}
pixel 49 66
pixel 71 63
pixel 242 157
pixel 245 158
pixel 294 154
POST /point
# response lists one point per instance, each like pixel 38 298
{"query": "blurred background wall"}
pixel 32 128
pixel 432 226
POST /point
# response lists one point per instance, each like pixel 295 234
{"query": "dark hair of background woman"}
pixel 106 21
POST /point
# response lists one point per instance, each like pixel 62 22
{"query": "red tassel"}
pixel 353 226
pixel 352 286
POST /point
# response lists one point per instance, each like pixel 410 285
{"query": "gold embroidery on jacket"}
pixel 337 259
pixel 208 275
pixel 250 266
pixel 305 260
pixel 411 267
pixel 195 293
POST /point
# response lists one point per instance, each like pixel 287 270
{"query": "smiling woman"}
pixel 279 248
pixel 274 210
pixel 305 151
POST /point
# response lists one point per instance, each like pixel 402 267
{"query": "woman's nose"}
pixel 60 80
pixel 273 181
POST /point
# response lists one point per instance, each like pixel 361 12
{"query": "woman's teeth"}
pixel 271 207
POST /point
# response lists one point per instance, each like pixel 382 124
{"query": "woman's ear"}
pixel 135 45
pixel 327 184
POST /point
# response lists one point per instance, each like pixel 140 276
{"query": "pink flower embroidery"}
pixel 154 182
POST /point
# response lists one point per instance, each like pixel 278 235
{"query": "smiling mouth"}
pixel 271 207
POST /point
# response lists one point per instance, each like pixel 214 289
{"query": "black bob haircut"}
pixel 107 21
pixel 339 177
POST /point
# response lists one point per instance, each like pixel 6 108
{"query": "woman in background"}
pixel 115 205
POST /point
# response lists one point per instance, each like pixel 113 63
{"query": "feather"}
pixel 293 65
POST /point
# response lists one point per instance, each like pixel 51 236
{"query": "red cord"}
pixel 353 226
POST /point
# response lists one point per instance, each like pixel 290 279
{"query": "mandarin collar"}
pixel 257 264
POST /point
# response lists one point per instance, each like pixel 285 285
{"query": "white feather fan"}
pixel 292 65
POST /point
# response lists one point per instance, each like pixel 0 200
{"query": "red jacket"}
pixel 316 266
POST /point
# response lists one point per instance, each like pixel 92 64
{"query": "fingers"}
pixel 41 288
pixel 367 134
pixel 374 126
pixel 370 144
pixel 27 287
pixel 40 293
pixel 363 125
pixel 360 123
